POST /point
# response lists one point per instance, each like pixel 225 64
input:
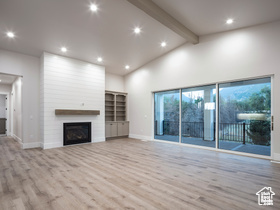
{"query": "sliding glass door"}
pixel 198 116
pixel 167 115
pixel 245 115
pixel 243 110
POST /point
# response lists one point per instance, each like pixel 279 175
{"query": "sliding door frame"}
pixel 217 117
pixel 272 115
pixel 180 117
pixel 270 157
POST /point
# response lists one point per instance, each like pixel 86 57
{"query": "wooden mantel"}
pixel 76 112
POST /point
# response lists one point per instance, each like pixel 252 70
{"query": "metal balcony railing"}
pixel 235 132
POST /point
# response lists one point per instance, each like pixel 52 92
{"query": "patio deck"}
pixel 226 145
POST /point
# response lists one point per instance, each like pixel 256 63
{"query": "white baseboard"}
pixel 31 145
pixel 26 145
pixel 276 156
pixel 133 136
pixel 51 145
pixel 17 139
pixel 100 139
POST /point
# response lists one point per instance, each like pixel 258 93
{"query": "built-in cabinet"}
pixel 116 129
pixel 115 115
pixel 123 128
pixel 109 107
pixel 120 107
pixel 111 129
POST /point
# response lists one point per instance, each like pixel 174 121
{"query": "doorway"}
pixel 232 116
pixel 4 116
pixel 245 116
pixel 11 106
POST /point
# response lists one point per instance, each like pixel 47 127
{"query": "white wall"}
pixel 240 54
pixel 70 84
pixel 28 67
pixel 114 82
pixel 17 110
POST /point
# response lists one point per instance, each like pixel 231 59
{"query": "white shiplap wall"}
pixel 70 84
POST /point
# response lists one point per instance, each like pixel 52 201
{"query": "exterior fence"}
pixel 227 131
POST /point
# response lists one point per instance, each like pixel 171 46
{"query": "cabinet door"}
pixel 120 129
pixel 114 129
pixel 111 129
pixel 126 129
pixel 123 128
pixel 107 130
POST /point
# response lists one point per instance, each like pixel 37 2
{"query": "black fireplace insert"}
pixel 76 133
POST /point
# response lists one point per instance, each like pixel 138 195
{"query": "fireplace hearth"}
pixel 76 133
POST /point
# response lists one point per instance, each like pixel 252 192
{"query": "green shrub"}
pixel 259 132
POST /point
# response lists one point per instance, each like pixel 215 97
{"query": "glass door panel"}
pixel 245 116
pixel 198 116
pixel 167 115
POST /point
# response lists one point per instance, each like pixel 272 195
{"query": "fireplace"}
pixel 76 133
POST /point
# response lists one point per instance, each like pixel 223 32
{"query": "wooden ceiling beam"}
pixel 153 10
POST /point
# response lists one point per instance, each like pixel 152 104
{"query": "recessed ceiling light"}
pixel 93 7
pixel 63 49
pixel 0 80
pixel 10 34
pixel 127 67
pixel 229 21
pixel 163 44
pixel 99 59
pixel 137 30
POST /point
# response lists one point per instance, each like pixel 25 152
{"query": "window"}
pixel 198 116
pixel 244 116
pixel 167 115
pixel 245 113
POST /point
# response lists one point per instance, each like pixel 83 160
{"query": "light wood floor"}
pixel 131 174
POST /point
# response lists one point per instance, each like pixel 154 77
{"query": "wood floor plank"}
pixel 131 174
pixel 18 204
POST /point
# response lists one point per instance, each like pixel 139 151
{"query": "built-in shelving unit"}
pixel 115 115
pixel 120 107
pixel 109 107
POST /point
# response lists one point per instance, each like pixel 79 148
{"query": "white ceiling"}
pixel 209 16
pixel 47 25
pixel 7 79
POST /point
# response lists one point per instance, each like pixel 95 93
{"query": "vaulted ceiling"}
pixel 47 25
